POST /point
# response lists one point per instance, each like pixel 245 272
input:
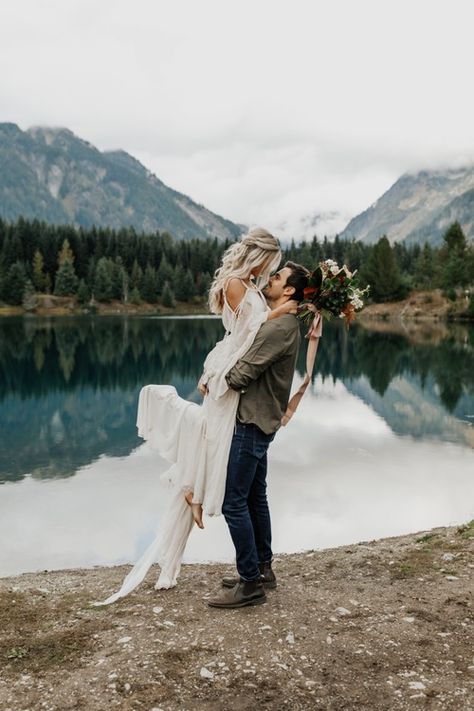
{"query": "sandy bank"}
pixel 384 624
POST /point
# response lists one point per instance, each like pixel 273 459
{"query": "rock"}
pixel 206 674
pixel 448 556
pixel 342 611
pixel 408 619
pixel 157 610
pixel 123 640
pixel 290 638
pixel 416 685
pixel 451 577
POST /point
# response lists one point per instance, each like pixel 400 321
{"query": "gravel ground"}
pixel 383 624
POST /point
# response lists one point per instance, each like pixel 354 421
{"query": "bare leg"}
pixel 195 508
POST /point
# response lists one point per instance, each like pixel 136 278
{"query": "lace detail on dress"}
pixel 241 328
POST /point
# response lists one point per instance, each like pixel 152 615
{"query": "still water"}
pixel 382 444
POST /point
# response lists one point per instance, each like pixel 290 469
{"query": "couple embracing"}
pixel 219 449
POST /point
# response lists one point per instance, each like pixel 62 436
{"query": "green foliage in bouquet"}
pixel 333 291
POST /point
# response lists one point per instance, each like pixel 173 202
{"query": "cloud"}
pixel 265 112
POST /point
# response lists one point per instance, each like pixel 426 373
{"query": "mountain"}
pixel 51 174
pixel 418 208
pixel 305 227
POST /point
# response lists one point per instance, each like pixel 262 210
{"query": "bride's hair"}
pixel 255 248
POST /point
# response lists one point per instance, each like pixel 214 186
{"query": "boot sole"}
pixel 267 586
pixel 245 603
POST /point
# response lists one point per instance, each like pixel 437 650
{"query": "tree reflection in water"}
pixel 69 386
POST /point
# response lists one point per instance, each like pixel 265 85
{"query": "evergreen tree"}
pixel 148 290
pixel 134 296
pixel 65 255
pixel 165 273
pixel 15 284
pixel 136 276
pixel 29 301
pixel 184 287
pixel 425 268
pixel 39 277
pixel 381 272
pixel 120 280
pixel 83 293
pixel 204 284
pixel 454 258
pixel 103 279
pixel 66 279
pixel 167 296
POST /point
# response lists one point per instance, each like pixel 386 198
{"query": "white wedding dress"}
pixel 196 439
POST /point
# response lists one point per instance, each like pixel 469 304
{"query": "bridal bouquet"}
pixel 332 290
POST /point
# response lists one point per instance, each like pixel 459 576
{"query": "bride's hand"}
pixel 289 307
pixel 203 389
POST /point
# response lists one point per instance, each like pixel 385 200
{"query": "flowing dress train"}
pixel 196 439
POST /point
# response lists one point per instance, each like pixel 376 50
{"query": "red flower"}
pixel 309 291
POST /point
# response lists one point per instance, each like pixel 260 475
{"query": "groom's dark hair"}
pixel 297 279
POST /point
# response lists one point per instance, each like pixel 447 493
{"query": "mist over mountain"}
pixel 53 175
pixel 419 207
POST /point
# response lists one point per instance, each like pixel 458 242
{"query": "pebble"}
pixel 342 611
pixel 206 674
pixel 157 610
pixel 290 638
pixel 451 577
pixel 123 640
pixel 408 619
pixel 416 685
pixel 448 556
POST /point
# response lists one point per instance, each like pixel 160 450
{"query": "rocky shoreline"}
pixel 386 624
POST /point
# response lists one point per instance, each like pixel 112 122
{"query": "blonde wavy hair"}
pixel 253 249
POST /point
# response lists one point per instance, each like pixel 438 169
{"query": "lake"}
pixel 382 444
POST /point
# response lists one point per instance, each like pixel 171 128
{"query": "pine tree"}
pixel 15 284
pixel 83 293
pixel 425 268
pixel 103 279
pixel 167 296
pixel 118 273
pixel 65 255
pixel 134 296
pixel 204 284
pixel 39 277
pixel 148 290
pixel 453 258
pixel 29 301
pixel 66 279
pixel 165 273
pixel 136 276
pixel 381 272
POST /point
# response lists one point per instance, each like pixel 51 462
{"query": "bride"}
pixel 197 438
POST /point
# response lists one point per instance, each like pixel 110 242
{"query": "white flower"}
pixel 334 269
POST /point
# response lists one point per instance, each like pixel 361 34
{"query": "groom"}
pixel 263 376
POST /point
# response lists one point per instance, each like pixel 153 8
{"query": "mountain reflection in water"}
pixel 69 386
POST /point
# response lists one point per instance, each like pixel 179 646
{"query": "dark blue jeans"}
pixel 245 503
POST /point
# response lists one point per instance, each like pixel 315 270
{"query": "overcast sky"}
pixel 266 111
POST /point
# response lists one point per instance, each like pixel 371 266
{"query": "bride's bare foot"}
pixel 195 508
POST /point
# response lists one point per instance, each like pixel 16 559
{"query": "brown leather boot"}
pixel 244 593
pixel 267 577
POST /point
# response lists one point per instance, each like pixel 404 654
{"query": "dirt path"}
pixel 385 624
